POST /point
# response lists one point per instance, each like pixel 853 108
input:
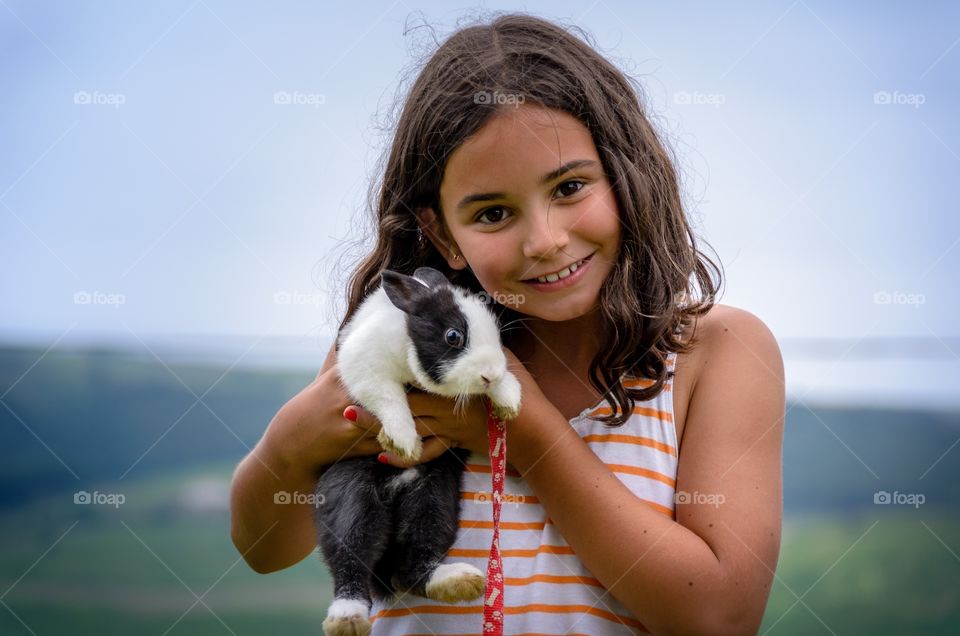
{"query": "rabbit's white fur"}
pixel 376 358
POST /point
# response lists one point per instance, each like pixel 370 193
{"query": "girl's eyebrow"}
pixel 545 179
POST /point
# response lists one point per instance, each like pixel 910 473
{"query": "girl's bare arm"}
pixel 707 570
pixel 271 507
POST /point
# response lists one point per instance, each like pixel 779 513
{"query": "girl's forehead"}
pixel 519 124
pixel 517 146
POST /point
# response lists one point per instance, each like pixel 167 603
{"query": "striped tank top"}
pixel 547 590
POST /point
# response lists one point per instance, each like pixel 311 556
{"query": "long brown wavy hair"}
pixel 650 295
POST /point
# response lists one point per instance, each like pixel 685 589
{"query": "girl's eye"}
pixel 572 181
pixel 492 211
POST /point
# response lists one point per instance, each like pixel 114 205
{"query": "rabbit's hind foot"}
pixel 454 582
pixel 347 617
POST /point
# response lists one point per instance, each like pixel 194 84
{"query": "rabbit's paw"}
pixel 406 447
pixel 453 582
pixel 505 397
pixel 347 617
pixel 506 412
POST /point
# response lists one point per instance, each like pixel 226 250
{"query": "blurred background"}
pixel 182 195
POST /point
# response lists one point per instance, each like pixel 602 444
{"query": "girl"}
pixel 644 480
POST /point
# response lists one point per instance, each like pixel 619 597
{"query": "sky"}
pixel 196 170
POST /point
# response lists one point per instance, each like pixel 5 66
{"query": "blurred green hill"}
pixel 107 415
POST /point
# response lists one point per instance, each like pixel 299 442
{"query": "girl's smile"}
pixel 562 279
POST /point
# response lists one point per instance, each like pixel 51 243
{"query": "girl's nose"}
pixel 546 234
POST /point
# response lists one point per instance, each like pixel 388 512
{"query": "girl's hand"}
pixel 313 429
pixel 438 424
pixel 441 427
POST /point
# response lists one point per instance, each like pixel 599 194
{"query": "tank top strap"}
pixel 672 356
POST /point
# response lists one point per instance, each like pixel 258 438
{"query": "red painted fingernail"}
pixel 350 413
pixel 382 458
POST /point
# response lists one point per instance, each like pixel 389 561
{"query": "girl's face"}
pixel 527 196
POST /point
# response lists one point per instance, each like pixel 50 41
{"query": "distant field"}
pixel 100 578
pixel 128 570
pixel 896 578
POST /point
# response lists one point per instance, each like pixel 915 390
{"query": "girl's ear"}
pixel 433 229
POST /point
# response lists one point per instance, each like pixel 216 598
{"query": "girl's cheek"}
pixel 488 266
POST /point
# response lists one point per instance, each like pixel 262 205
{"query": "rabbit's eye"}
pixel 454 337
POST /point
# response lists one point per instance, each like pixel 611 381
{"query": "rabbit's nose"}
pixel 485 379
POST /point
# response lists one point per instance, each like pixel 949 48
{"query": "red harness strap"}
pixel 493 595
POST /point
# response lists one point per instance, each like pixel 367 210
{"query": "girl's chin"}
pixel 558 312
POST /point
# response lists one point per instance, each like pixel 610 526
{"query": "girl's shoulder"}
pixel 713 332
pixel 721 331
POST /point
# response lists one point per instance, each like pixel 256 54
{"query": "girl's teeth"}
pixel 563 273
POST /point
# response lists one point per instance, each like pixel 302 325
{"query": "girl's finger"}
pixel 433 447
pixel 362 419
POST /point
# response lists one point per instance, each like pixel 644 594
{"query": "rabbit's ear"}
pixel 403 291
pixel 432 277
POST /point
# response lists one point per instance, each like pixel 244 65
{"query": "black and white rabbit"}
pixel 383 529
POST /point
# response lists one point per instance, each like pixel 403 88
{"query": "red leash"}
pixel 493 595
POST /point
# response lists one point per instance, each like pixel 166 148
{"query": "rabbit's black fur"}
pixel 383 531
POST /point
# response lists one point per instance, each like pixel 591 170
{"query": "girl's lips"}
pixel 562 282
